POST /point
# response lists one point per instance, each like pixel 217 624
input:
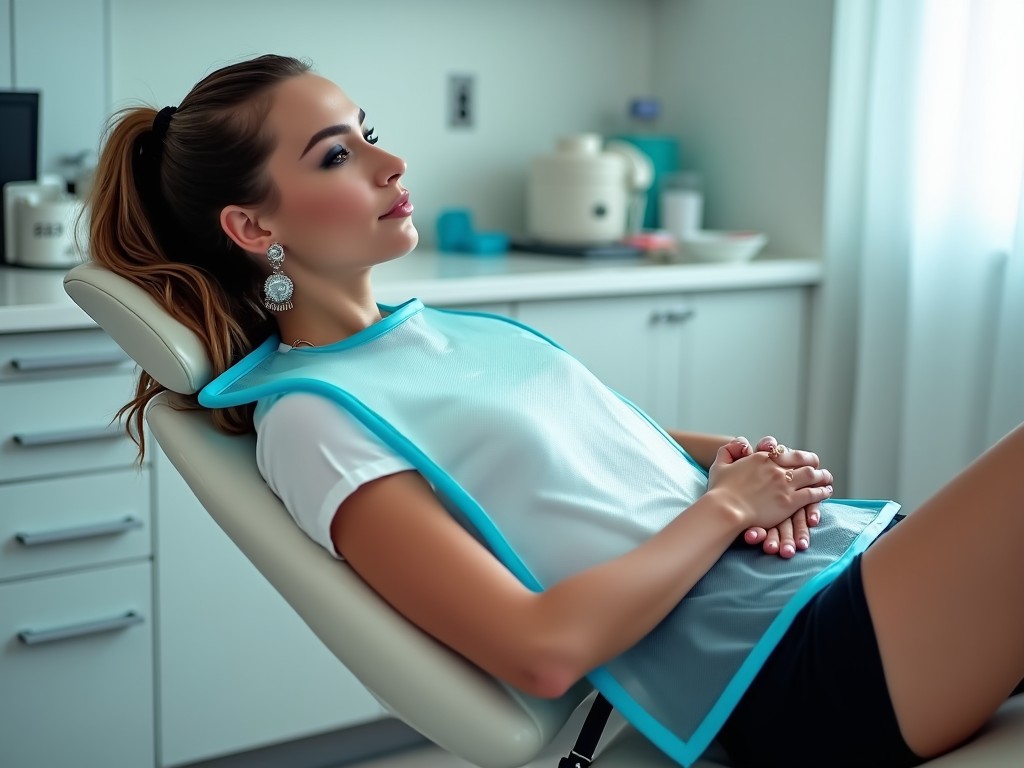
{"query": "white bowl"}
pixel 722 245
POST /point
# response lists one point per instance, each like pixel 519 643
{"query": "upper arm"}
pixel 404 544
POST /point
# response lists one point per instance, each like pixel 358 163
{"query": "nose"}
pixel 391 170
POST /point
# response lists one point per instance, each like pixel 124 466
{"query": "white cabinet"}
pixel 76 614
pixel 742 367
pixel 728 362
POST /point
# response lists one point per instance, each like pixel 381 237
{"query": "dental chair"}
pixel 421 682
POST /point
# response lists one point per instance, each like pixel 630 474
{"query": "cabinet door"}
pixel 51 426
pixel 76 671
pixel 238 668
pixel 742 364
pixel 625 342
pixel 80 521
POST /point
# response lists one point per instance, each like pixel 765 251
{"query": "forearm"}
pixel 702 447
pixel 597 614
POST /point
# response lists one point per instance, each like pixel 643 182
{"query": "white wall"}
pixel 57 48
pixel 543 68
pixel 6 47
pixel 745 87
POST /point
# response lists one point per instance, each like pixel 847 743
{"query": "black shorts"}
pixel 821 698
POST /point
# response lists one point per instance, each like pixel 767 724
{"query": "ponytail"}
pixel 155 220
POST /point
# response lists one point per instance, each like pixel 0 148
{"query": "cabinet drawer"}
pixel 54 426
pixel 71 696
pixel 54 525
pixel 27 356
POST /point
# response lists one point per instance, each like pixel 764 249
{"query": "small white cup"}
pixel 681 205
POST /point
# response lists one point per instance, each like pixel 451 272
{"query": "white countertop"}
pixel 34 299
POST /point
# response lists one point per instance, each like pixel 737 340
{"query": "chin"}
pixel 410 238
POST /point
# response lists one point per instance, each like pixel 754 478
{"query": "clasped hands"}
pixel 793 534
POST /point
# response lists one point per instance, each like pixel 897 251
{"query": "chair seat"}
pixel 1000 744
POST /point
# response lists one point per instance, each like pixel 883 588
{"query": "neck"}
pixel 324 314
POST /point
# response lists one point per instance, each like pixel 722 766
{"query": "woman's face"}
pixel 340 204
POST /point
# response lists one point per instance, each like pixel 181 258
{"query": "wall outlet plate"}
pixel 461 101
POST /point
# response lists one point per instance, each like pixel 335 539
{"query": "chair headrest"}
pixel 167 350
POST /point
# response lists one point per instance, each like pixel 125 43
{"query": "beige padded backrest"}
pixel 422 682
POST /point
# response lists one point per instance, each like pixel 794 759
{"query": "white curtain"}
pixel 938 348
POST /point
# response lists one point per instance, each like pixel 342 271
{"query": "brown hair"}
pixel 155 208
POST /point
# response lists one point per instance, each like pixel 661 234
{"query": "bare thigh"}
pixel 945 589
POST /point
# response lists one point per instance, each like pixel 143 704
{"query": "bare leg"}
pixel 946 593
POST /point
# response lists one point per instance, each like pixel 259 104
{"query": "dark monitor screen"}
pixel 19 141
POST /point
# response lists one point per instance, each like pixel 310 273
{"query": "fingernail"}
pixel 813 519
pixel 788 550
pixel 802 543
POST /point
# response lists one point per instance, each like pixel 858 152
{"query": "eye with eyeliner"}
pixel 337 155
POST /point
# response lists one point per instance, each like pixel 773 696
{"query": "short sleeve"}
pixel 314 455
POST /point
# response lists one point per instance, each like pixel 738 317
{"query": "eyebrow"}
pixel 332 130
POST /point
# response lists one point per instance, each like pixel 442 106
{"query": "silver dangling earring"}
pixel 278 288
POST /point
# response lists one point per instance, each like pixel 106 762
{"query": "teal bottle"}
pixel 663 150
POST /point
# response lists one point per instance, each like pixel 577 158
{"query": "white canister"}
pixel 682 205
pixel 579 194
pixel 47 232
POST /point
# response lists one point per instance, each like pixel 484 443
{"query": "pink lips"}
pixel 400 209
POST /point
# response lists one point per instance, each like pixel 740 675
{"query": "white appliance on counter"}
pixel 43 225
pixel 587 191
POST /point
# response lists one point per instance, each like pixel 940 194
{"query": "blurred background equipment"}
pixel 587 192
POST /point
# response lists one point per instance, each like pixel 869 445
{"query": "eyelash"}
pixel 337 155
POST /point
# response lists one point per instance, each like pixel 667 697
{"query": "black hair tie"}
pixel 149 149
pixel 162 121
pixel 147 154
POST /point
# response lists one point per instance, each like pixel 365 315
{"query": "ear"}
pixel 242 226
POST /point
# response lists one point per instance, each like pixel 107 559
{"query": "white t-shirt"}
pixel 314 455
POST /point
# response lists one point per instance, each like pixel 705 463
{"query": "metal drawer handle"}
pixel 672 316
pixel 56 362
pixel 77 533
pixel 60 436
pixel 40 636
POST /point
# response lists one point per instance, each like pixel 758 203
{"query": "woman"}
pixel 258 208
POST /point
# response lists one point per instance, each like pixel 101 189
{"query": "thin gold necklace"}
pixel 303 343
